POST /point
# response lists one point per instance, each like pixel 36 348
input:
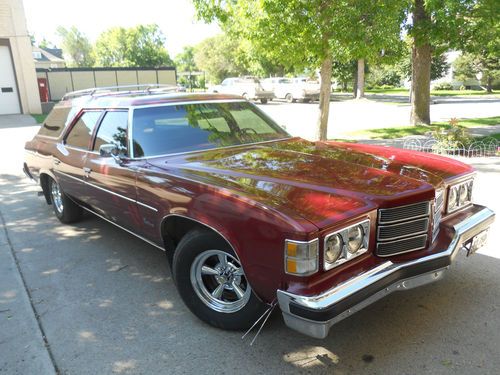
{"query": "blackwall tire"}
pixel 212 284
pixel 65 209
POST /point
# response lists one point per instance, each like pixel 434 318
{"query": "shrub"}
pixel 443 86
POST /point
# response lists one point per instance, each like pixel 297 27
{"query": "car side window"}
pixel 81 133
pixel 113 130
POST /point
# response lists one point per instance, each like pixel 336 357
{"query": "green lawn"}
pixel 39 118
pixel 403 91
pixel 403 131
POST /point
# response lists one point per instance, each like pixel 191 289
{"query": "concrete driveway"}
pixel 92 299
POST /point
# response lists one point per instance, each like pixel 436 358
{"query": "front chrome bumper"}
pixel 315 315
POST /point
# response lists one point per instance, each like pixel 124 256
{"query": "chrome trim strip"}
pixel 464 231
pixel 125 229
pixel 145 205
pixel 184 102
pixel 108 191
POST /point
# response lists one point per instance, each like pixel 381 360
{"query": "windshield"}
pixel 190 127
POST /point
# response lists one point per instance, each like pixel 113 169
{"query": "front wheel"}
pixel 65 209
pixel 289 98
pixel 212 283
pixel 263 101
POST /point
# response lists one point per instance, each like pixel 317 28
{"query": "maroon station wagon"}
pixel 250 217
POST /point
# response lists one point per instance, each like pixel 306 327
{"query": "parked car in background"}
pixel 248 87
pixel 293 89
pixel 249 216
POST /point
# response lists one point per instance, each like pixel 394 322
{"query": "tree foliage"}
pixel 184 61
pixel 304 34
pixel 142 45
pixel 76 47
pixel 218 57
pixel 439 25
pixel 486 68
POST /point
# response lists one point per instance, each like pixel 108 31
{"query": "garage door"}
pixel 9 101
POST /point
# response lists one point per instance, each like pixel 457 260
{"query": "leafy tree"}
pixel 483 67
pixel 482 45
pixel 184 61
pixel 46 44
pixel 438 25
pixel 303 34
pixel 142 45
pixel 76 47
pixel 439 66
pixel 218 57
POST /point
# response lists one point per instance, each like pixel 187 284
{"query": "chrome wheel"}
pixel 56 197
pixel 218 279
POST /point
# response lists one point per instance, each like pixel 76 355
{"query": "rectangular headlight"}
pixel 459 195
pixel 345 244
pixel 301 258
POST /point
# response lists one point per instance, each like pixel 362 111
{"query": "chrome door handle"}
pixel 57 161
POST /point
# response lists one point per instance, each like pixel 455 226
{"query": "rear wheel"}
pixel 65 209
pixel 289 98
pixel 212 283
pixel 263 101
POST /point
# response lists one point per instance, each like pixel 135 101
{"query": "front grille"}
pixel 405 245
pixel 403 213
pixel 403 229
pixel 395 231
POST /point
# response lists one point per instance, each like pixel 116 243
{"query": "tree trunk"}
pixel 355 82
pixel 421 68
pixel 324 98
pixel 360 81
pixel 489 85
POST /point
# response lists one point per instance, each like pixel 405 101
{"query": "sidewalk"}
pixel 22 347
pixel 17 121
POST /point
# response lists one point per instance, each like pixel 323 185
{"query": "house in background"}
pixel 48 58
pixel 18 83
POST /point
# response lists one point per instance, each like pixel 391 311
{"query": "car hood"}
pixel 321 182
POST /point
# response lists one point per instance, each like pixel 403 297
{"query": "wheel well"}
pixel 175 227
pixel 44 183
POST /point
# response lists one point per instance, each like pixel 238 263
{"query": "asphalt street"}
pixel 349 115
pixel 91 299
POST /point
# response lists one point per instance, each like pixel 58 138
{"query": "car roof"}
pixel 119 99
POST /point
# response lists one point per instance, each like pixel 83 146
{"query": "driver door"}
pixel 111 182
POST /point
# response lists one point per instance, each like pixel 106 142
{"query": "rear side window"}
pixel 55 122
pixel 81 133
pixel 113 130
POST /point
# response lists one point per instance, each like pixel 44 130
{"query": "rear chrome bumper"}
pixel 315 315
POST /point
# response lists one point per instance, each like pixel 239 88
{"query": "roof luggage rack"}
pixel 148 88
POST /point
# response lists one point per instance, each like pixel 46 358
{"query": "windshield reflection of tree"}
pixel 211 114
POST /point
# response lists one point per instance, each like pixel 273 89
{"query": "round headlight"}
pixel 355 235
pixel 452 198
pixel 462 194
pixel 333 248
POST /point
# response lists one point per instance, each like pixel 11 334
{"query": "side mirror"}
pixel 110 150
